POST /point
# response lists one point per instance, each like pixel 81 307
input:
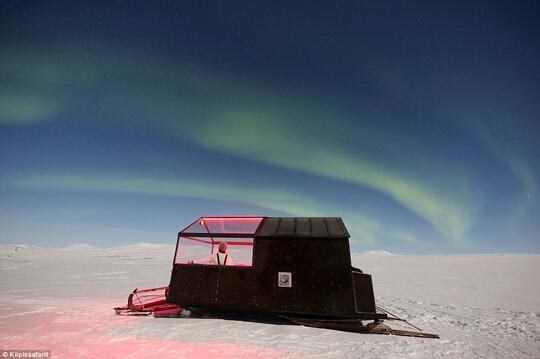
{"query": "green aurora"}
pixel 237 117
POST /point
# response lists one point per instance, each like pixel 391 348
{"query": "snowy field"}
pixel 61 299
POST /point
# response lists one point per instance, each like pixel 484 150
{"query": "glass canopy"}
pixel 224 225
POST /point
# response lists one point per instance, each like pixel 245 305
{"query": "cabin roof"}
pixel 306 227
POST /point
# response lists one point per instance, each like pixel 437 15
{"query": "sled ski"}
pixel 356 326
pixel 153 301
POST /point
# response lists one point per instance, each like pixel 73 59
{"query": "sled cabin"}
pixel 278 265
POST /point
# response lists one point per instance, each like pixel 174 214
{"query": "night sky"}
pixel 417 122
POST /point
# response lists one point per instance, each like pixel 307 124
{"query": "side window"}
pixel 190 249
pixel 240 250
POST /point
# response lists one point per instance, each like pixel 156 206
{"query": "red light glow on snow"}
pixel 82 329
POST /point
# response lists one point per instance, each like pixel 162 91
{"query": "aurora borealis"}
pixel 418 124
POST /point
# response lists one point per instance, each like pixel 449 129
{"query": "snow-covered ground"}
pixel 61 299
